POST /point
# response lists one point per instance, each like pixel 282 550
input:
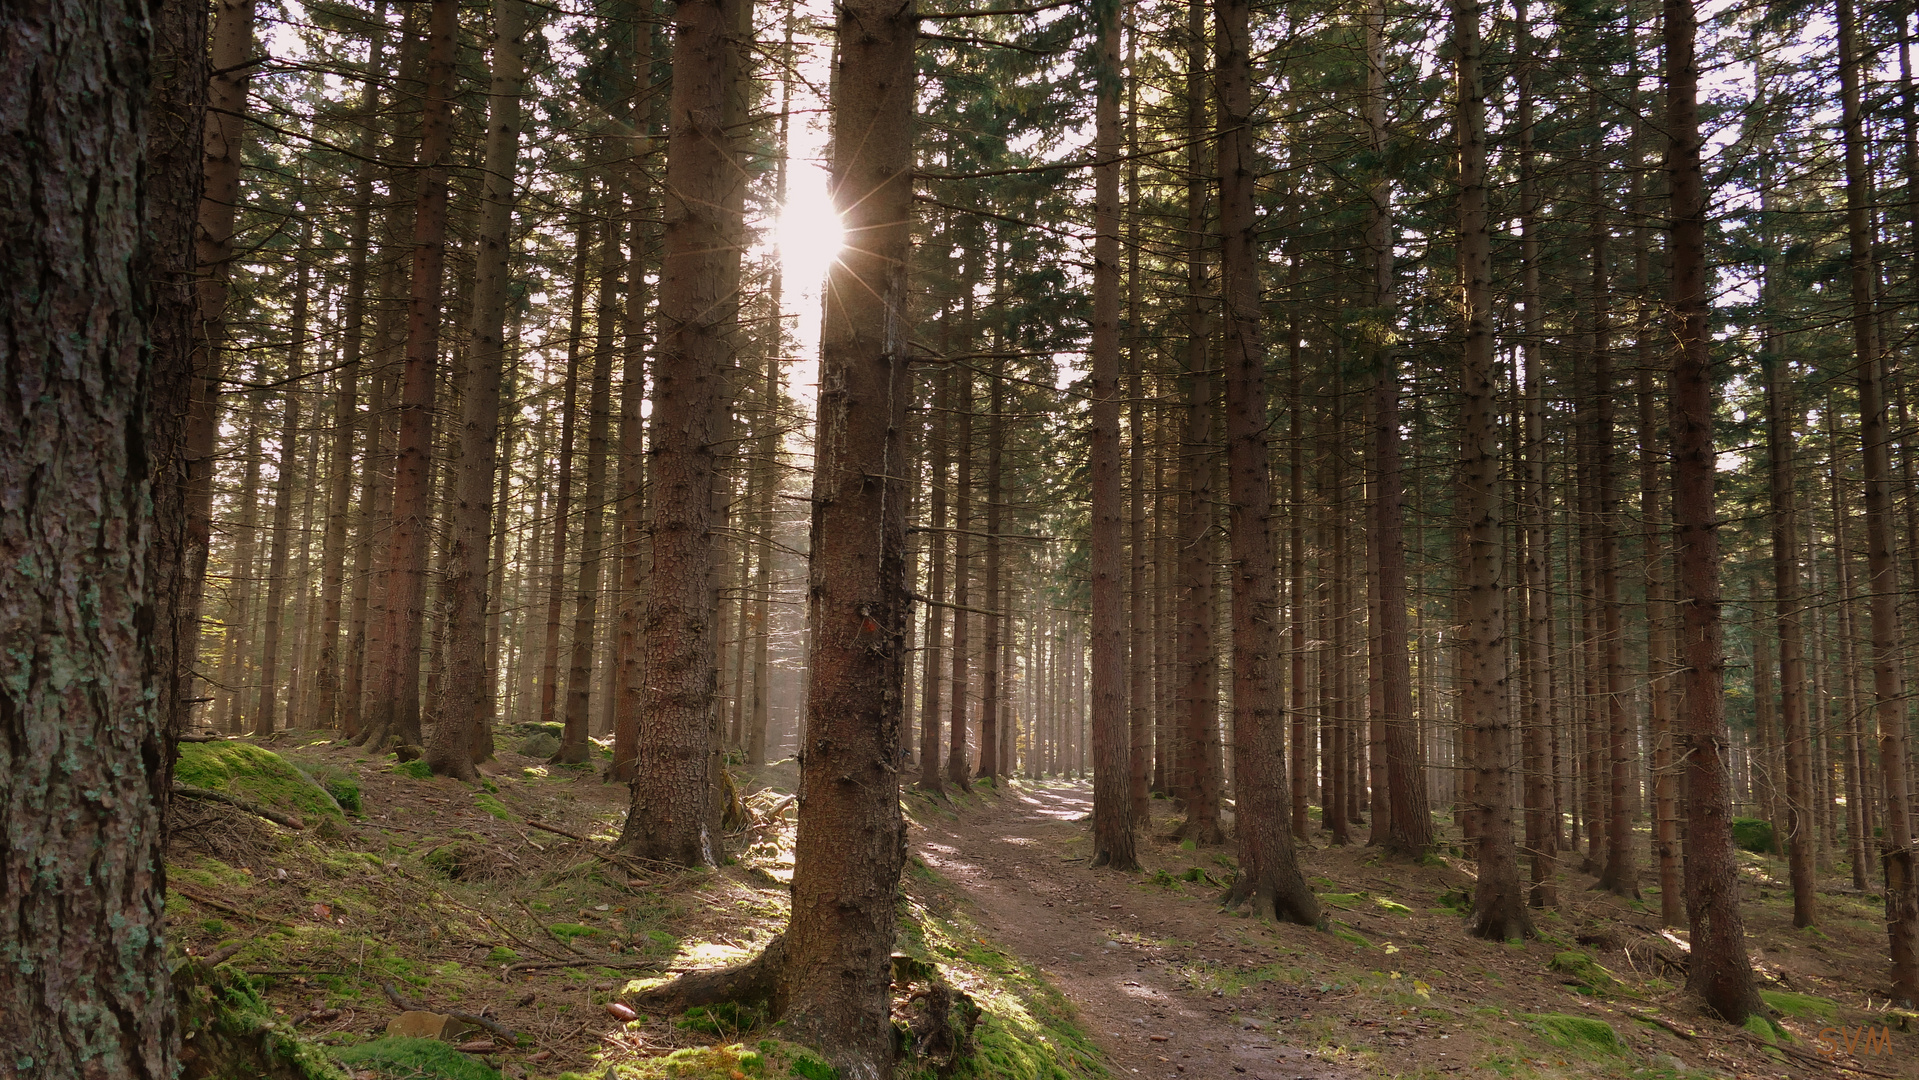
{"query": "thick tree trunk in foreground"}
pixel 395 702
pixel 1499 907
pixel 465 703
pixel 1269 877
pixel 1888 691
pixel 1112 807
pixel 671 787
pixel 834 991
pixel 85 990
pixel 1720 973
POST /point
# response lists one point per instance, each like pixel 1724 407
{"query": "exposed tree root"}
pixel 937 1019
pixel 752 983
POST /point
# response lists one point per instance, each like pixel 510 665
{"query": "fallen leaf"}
pixel 321 911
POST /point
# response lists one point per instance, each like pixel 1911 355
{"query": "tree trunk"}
pixel 991 672
pixel 274 615
pixel 396 689
pixel 936 590
pixel 1499 907
pixel 176 175
pixel 328 676
pixel 1269 878
pixel 672 786
pixel 1408 830
pixel 1720 973
pixel 82 748
pixel 563 488
pixel 1789 615
pixel 574 749
pixel 231 60
pixel 1882 586
pixel 851 844
pixel 1196 782
pixel 1542 831
pixel 957 770
pixel 1113 826
pixel 465 704
pixel 1620 875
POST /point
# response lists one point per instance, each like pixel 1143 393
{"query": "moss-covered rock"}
pixel 256 774
pixel 229 1033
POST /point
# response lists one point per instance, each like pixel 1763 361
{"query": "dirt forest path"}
pixel 1113 948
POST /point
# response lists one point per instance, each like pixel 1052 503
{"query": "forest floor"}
pixel 458 899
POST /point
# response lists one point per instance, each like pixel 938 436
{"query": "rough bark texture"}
pixel 1888 691
pixel 395 705
pixel 851 845
pixel 1719 973
pixel 175 174
pixel 1269 878
pixel 464 703
pixel 84 987
pixel 1112 805
pixel 671 787
pixel 1499 908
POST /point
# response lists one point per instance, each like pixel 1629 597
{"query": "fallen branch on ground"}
pixel 476 1020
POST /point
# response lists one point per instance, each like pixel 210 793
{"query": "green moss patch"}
pixel 339 783
pixel 1578 1033
pixel 233 1034
pixel 1586 974
pixel 1767 1028
pixel 1802 1006
pixel 770 1059
pixel 494 806
pixel 1349 935
pixel 418 770
pixel 415 1059
pixel 256 774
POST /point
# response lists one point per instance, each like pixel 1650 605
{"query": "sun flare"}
pixel 809 237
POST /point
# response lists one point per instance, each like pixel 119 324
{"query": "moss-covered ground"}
pixel 450 895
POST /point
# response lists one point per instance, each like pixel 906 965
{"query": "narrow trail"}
pixel 1113 948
